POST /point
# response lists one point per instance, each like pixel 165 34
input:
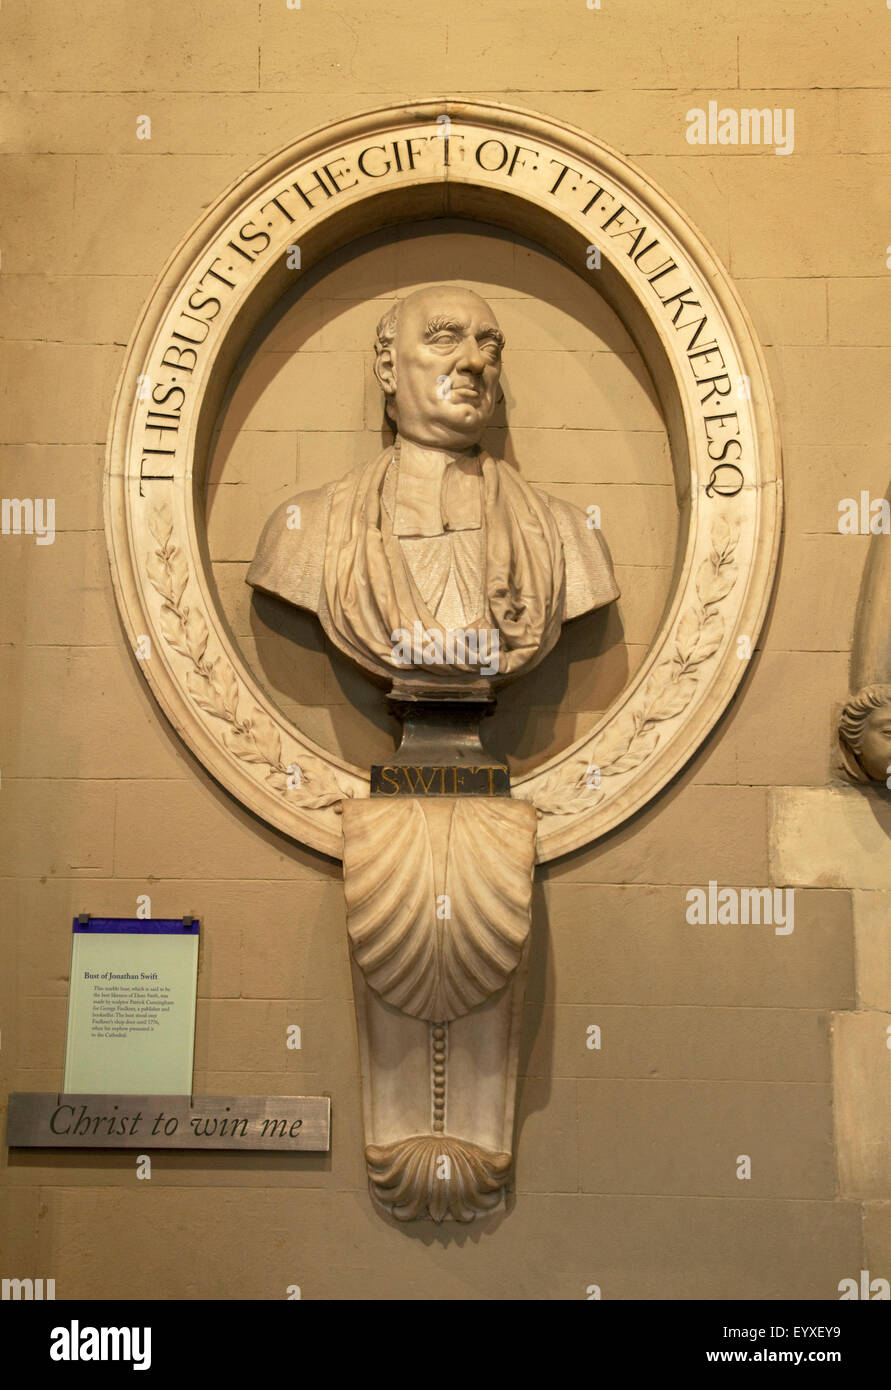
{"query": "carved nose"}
pixel 473 360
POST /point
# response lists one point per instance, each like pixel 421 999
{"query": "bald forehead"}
pixel 426 306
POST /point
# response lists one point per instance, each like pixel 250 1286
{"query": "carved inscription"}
pixel 276 220
pixel 409 779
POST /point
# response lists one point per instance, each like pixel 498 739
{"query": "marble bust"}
pixel 436 563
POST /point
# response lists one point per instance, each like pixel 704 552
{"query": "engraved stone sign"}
pixel 109 1121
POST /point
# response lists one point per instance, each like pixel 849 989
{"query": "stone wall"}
pixel 717 1041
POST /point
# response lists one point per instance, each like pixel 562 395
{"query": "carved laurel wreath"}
pixel 669 690
pixel 213 685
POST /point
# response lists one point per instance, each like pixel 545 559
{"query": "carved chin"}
pixel 875 764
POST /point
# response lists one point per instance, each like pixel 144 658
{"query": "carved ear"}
pixel 385 371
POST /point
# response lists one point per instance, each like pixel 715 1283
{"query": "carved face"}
pixel 875 745
pixel 443 372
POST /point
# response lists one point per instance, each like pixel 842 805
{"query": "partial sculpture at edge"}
pixel 864 734
pixel 864 726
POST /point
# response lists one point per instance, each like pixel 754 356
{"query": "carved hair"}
pixel 852 724
pixel 385 333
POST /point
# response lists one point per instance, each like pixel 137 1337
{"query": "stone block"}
pixel 307 390
pixel 69 473
pixel 690 1138
pixel 93 51
pixel 816 600
pixel 40 195
pixel 877 1240
pixel 192 829
pixel 632 945
pixel 21 1220
pixel 162 197
pixel 678 1043
pixel 324 457
pixel 834 395
pixel 654 122
pixel 79 712
pixel 861 1093
pixel 547 1157
pixel 548 456
pixel 872 935
pixel 56 393
pixel 59 594
pixel 860 311
pixel 826 48
pixel 690 834
pixel 782 724
pixel 635 521
pixel 579 390
pixel 830 837
pixel 56 826
pixel 819 478
pixel 810 197
pixel 788 312
pixel 95 309
pixel 863 123
pixel 589 49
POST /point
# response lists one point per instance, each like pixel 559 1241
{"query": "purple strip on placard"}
pixel 157 926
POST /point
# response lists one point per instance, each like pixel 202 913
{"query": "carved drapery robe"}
pixel 424 540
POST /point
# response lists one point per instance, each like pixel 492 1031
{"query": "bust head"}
pixel 864 731
pixel 438 360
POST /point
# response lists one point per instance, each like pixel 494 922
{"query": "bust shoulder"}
pixel 590 581
pixel 290 555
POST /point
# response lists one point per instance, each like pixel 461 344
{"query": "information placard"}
pixel 131 1006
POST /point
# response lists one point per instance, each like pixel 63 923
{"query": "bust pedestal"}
pixel 438 891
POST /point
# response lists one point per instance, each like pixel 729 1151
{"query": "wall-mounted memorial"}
pixel 446 577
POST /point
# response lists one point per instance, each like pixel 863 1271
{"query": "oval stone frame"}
pixel 586 204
